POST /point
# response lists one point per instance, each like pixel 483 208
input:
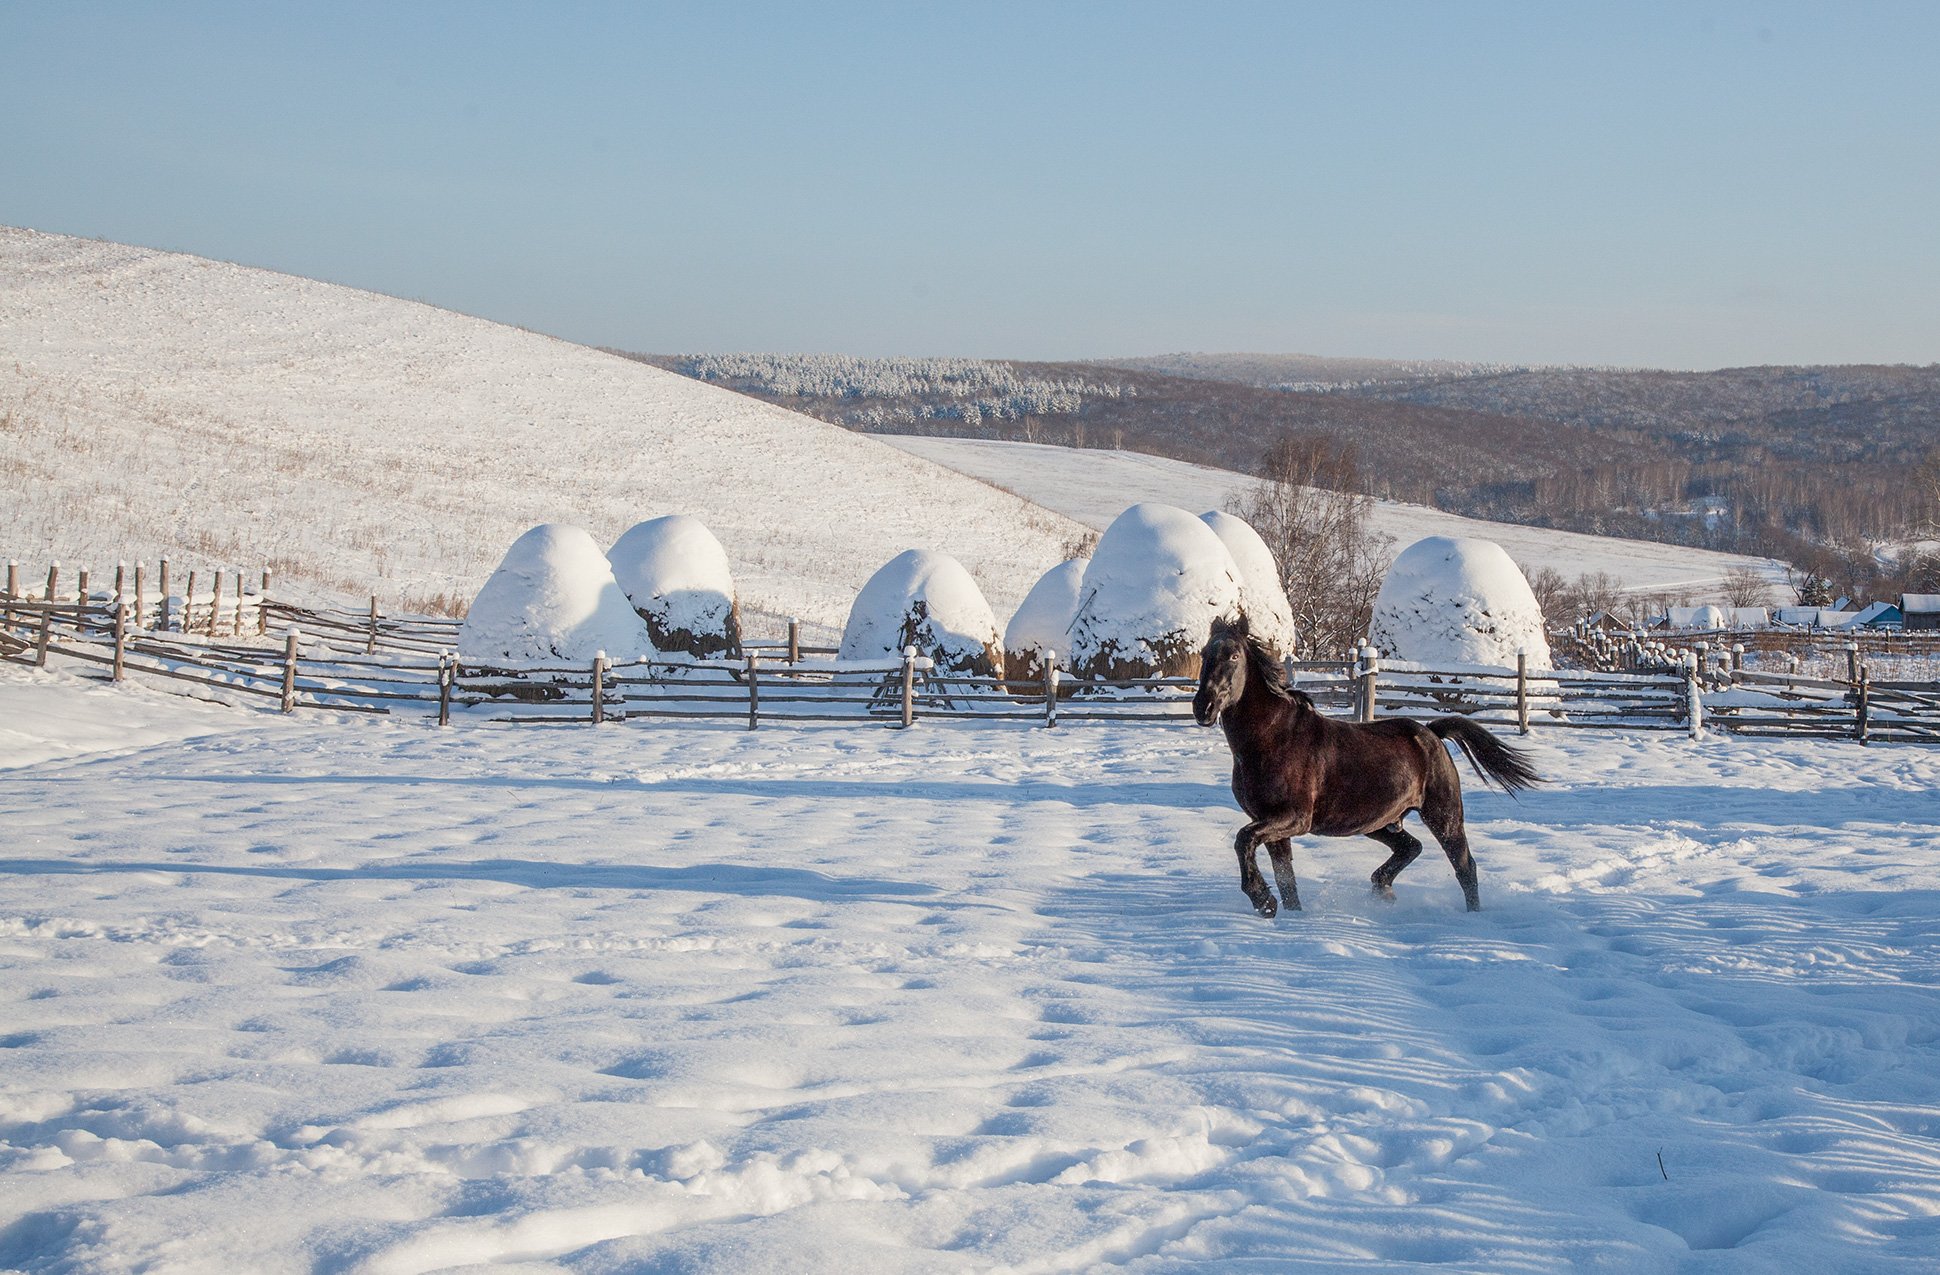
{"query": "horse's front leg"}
pixel 1251 883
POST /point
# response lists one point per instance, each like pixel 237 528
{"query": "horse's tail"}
pixel 1492 759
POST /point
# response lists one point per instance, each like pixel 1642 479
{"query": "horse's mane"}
pixel 1261 664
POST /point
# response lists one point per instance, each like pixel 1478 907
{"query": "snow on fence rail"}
pixel 363 661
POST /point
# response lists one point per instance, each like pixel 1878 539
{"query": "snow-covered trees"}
pixel 902 391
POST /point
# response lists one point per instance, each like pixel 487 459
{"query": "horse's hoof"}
pixel 1266 907
pixel 1385 893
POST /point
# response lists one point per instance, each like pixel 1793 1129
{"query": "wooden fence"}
pixel 1627 651
pixel 363 661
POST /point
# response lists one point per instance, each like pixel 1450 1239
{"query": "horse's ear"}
pixel 1239 626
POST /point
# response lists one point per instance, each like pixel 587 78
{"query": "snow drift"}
pixel 1156 582
pixel 677 576
pixel 553 600
pixel 1261 596
pixel 926 600
pixel 1043 622
pixel 956 999
pixel 1452 601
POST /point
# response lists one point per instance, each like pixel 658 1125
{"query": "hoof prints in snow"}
pixel 367 998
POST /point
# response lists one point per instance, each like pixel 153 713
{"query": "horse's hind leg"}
pixel 1282 853
pixel 1404 848
pixel 1443 815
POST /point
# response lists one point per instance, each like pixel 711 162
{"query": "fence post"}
pixel 46 636
pixel 1864 724
pixel 754 691
pixel 447 673
pixel 1693 700
pixel 162 618
pixel 215 602
pixel 1852 661
pixel 1737 659
pixel 599 688
pixel 909 685
pixel 262 606
pixel 13 578
pixel 289 671
pixel 188 607
pixel 81 588
pixel 794 641
pixel 1522 691
pixel 121 578
pixel 121 639
pixel 53 579
pixel 370 643
pixel 236 630
pixel 1370 665
pixel 1050 689
pixel 1351 670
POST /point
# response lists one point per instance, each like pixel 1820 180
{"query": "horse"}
pixel 1297 773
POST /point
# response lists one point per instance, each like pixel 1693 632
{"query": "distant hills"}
pixel 1808 464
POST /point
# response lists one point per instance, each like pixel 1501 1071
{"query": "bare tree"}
pixel 1600 592
pixel 1926 496
pixel 1080 545
pixel 1311 507
pixel 1744 587
pixel 1552 592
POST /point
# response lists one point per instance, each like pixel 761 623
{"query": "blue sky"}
pixel 1679 185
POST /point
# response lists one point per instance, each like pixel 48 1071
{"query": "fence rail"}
pixel 362 661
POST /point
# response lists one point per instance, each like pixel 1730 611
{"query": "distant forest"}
pixel 1821 466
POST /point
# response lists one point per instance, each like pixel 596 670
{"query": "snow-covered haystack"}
pixel 926 600
pixel 1043 622
pixel 1449 601
pixel 1156 582
pixel 677 576
pixel 1261 595
pixel 552 601
pixel 1706 618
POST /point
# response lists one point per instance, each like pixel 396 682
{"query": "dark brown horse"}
pixel 1296 772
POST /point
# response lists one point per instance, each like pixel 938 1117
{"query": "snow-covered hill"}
pixel 153 403
pixel 1094 486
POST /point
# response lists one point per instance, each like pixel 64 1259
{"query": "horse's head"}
pixel 1222 671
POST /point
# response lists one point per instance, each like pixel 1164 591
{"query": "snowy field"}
pixel 1093 486
pixel 312 995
